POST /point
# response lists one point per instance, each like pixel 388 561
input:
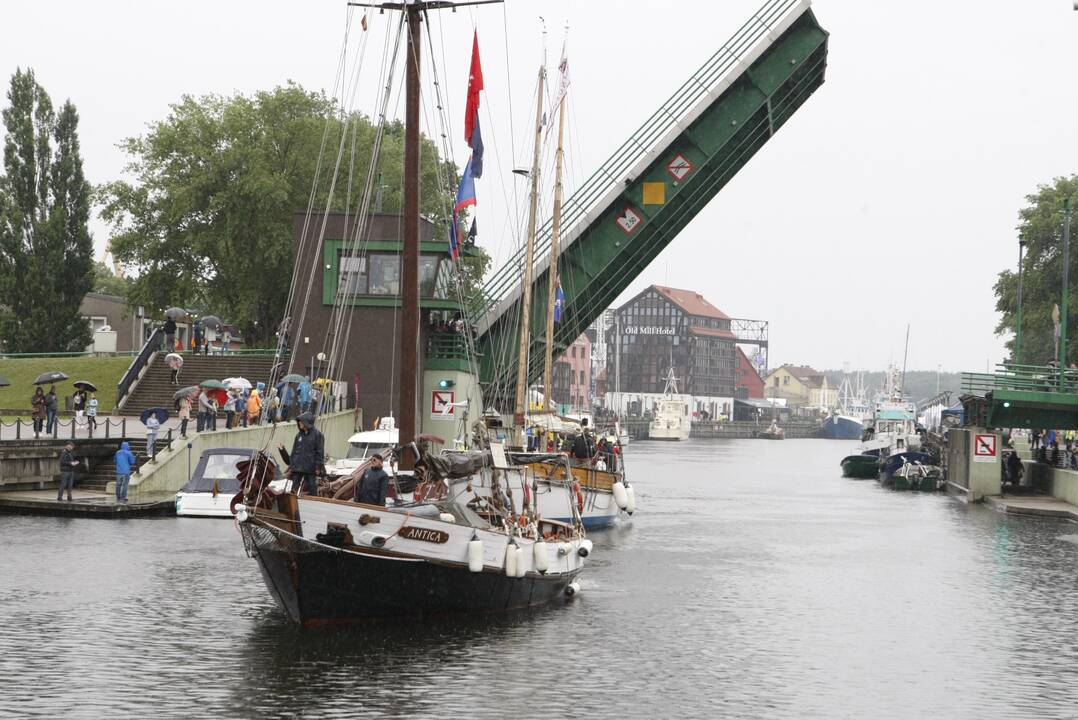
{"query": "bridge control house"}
pixel 665 326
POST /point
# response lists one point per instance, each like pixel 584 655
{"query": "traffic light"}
pixel 446 383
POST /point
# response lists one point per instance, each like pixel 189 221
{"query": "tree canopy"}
pixel 46 261
pixel 206 219
pixel 1040 225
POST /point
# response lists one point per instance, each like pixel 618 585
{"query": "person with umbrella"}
pixel 254 407
pixel 185 414
pixel 37 403
pixel 91 412
pixel 199 335
pixel 51 406
pixel 307 461
pixel 174 362
pixel 170 333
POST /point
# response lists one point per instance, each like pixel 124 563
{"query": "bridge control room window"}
pixel 378 273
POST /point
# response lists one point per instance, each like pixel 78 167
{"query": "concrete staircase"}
pixel 155 389
pixel 103 471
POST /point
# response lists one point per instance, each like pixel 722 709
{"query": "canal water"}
pixel 754 582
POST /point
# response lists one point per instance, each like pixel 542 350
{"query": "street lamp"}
pixel 1066 299
pixel 1018 323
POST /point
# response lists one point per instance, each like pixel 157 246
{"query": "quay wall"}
pixel 169 472
pixel 1059 482
pixel 31 464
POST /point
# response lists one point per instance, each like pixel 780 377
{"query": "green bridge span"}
pixel 623 216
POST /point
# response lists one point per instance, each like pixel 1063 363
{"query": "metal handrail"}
pixel 1028 378
pixel 153 344
pixel 640 144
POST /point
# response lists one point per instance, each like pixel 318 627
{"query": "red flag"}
pixel 475 84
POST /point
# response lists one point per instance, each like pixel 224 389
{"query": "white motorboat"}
pixel 672 420
pixel 213 484
pixel 364 444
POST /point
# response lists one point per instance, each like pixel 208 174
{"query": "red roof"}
pixel 691 302
pixel 713 332
pixel 747 377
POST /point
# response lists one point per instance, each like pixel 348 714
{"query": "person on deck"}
pixel 307 461
pixel 584 444
pixel 373 485
pixel 68 463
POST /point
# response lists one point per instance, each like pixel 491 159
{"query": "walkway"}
pixel 86 503
pixel 1034 505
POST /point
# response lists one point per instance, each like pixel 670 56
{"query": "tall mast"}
pixel 526 298
pixel 409 360
pixel 552 280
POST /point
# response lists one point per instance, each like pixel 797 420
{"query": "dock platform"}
pixel 85 503
pixel 1044 505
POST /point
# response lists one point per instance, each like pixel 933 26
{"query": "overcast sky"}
pixel 889 199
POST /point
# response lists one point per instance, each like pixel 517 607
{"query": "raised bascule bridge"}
pixel 652 186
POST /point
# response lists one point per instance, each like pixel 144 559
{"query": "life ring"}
pixel 579 496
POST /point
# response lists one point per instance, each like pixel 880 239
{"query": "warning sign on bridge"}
pixel 629 220
pixel 679 167
pixel 984 448
pixel 441 404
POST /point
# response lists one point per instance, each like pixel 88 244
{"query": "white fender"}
pixel 630 504
pixel 585 548
pixel 620 496
pixel 475 555
pixel 521 569
pixel 511 560
pixel 241 513
pixel 564 549
pixel 542 558
pixel 572 588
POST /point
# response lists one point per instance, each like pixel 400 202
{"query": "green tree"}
pixel 46 264
pixel 1040 225
pixel 108 282
pixel 207 218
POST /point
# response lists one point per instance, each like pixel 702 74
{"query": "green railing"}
pixel 643 143
pixel 447 346
pixel 1021 378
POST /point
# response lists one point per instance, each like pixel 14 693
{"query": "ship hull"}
pixel 842 427
pixel 316 584
pixel 865 467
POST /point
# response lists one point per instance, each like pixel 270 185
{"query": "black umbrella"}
pixel 176 313
pixel 211 321
pixel 50 377
pixel 159 412
pixel 4 382
pixel 85 385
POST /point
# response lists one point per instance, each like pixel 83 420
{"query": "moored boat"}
pixel 863 466
pixel 672 420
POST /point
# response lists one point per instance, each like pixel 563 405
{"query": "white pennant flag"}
pixel 563 85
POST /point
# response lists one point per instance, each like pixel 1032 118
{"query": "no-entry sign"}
pixel 984 448
pixel 441 404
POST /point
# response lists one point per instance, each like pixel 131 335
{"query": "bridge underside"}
pixel 684 171
pixel 1032 410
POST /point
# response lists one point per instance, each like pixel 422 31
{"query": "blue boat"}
pixel 842 427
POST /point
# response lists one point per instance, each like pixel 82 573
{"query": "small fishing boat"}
pixel 773 432
pixel 862 466
pixel 911 471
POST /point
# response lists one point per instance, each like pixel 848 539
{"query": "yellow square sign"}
pixel 654 193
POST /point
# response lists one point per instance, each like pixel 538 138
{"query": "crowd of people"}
pixel 583 447
pixel 1055 447
pixel 45 406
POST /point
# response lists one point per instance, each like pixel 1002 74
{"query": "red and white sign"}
pixel 629 220
pixel 679 167
pixel 441 404
pixel 984 448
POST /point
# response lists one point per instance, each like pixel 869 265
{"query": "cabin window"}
pixel 352 277
pixel 379 274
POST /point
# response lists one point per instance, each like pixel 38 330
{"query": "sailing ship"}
pixel 672 420
pixel 476 540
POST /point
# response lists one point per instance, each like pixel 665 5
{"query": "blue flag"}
pixel 465 197
pixel 559 303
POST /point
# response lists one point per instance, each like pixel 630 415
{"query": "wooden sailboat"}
pixel 469 549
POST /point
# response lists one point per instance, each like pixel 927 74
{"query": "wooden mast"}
pixel 526 296
pixel 409 359
pixel 552 280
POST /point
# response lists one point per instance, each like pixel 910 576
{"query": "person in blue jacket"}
pixel 125 462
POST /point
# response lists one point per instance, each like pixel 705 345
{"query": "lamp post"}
pixel 1018 321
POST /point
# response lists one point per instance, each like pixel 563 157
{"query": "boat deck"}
pixel 85 503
